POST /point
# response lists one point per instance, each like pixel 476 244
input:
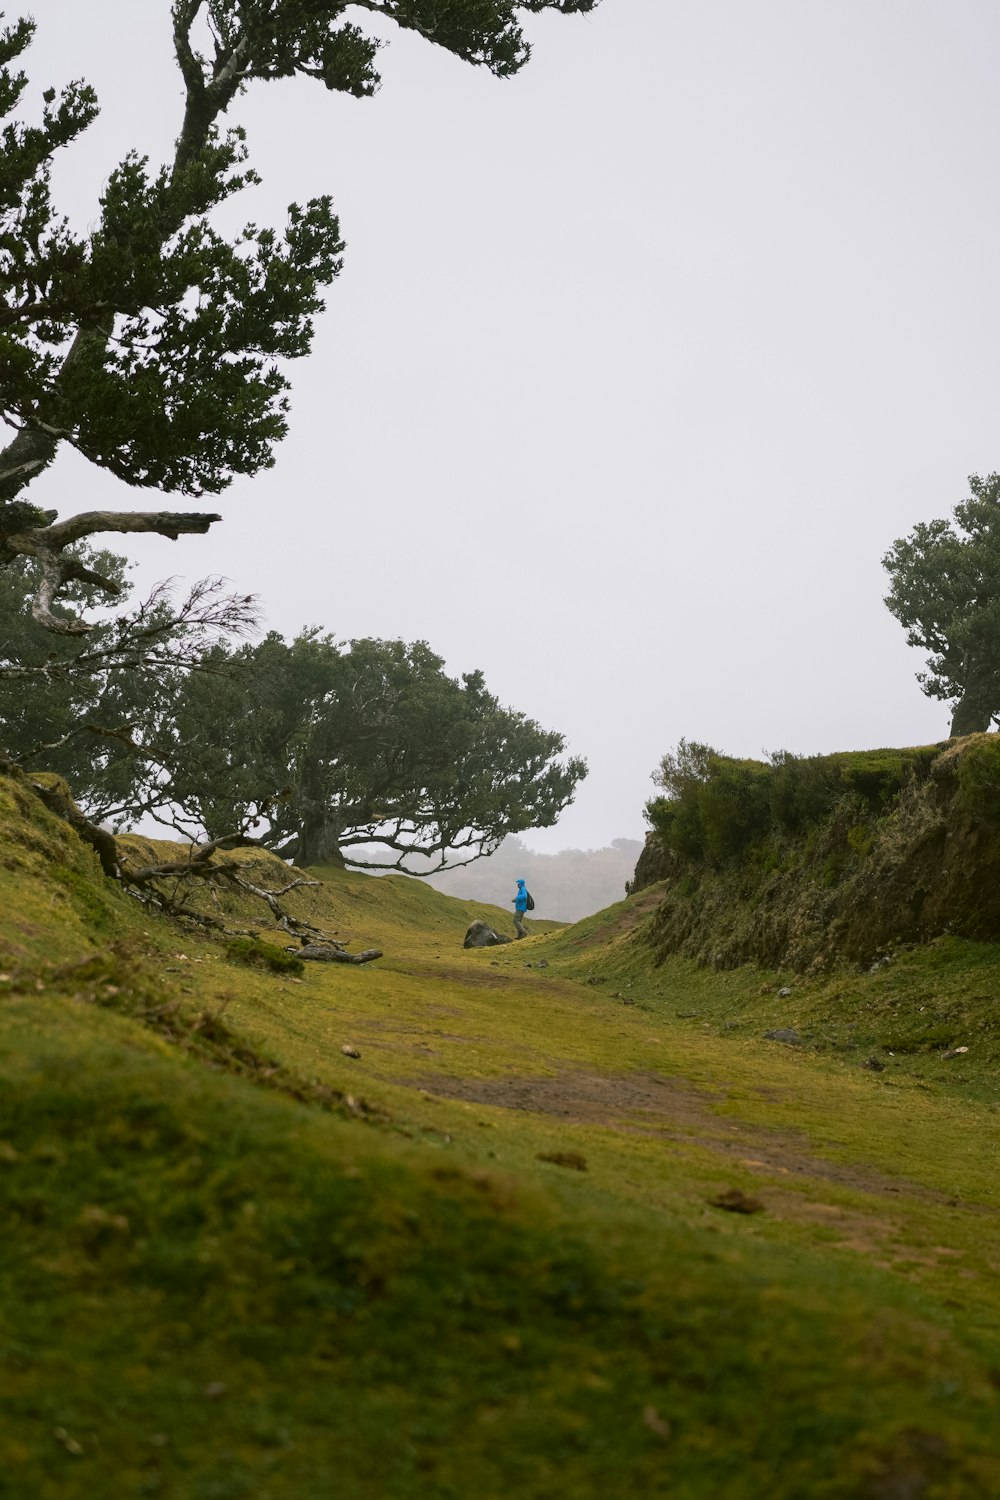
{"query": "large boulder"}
pixel 655 864
pixel 481 936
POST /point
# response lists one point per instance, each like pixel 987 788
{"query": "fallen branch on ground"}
pixel 335 955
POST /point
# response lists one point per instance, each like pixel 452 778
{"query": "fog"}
pixel 638 364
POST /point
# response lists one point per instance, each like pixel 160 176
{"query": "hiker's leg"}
pixel 519 924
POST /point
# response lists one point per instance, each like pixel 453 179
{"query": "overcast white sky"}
pixel 638 364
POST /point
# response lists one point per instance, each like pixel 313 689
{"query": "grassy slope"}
pixel 211 1291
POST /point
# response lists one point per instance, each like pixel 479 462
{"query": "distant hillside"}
pixel 566 886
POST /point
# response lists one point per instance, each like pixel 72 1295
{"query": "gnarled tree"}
pixel 946 594
pixel 154 344
pixel 366 754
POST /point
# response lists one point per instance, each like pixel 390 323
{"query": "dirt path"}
pixel 675 1110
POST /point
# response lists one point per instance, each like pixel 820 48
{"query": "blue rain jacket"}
pixel 521 899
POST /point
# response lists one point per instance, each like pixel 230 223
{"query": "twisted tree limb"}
pixel 200 864
pixel 47 543
pixel 60 803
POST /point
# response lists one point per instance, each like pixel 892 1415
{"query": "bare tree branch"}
pixel 46 545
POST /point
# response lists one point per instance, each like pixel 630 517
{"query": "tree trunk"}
pixel 319 842
pixel 970 716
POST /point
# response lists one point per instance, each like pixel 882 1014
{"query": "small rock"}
pixel 786 1034
pixel 784 992
pixel 954 1052
pixel 350 1051
pixel 542 963
pixel 875 1063
pixel 687 1015
pixel 478 935
pixel 627 1000
pixel 651 1417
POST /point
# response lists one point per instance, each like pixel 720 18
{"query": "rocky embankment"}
pixel 852 887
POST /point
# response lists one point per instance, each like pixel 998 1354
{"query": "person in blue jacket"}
pixel 520 907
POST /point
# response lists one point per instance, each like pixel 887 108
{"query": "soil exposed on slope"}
pixel 674 1110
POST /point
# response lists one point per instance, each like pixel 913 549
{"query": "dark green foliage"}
pixel 330 746
pixel 946 594
pixel 717 806
pixel 979 780
pixel 90 708
pixel 248 950
pixel 151 341
pixel 802 789
pixel 369 743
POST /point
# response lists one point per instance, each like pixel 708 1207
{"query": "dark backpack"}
pixel 530 906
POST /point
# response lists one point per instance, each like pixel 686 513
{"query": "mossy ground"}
pixel 211 1290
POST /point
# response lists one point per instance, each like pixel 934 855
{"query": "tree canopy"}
pixel 154 344
pixel 91 707
pixel 364 752
pixel 370 743
pixel 945 592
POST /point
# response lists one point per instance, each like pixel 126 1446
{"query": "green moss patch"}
pixel 249 950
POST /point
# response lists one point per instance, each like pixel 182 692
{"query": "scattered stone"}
pixel 542 963
pixel 875 1063
pixel 478 935
pixel 571 1159
pixel 784 992
pixel 786 1034
pixel 736 1201
pixel 688 1015
pixel 627 1000
pixel 954 1052
pixel 652 1419
pixel 349 1050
